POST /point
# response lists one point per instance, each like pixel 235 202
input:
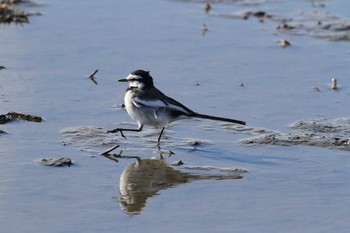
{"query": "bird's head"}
pixel 139 79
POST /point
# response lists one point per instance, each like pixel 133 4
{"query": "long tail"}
pixel 215 118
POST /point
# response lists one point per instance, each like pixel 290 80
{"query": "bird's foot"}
pixel 116 131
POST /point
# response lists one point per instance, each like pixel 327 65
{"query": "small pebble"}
pixel 284 43
pixel 334 84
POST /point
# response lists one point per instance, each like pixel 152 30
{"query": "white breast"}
pixel 145 115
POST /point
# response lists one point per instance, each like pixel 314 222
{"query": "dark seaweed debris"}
pixel 20 2
pixel 11 116
pixel 10 13
pixel 57 162
pixel 14 2
pixel 92 77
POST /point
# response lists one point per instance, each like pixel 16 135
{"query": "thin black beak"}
pixel 122 80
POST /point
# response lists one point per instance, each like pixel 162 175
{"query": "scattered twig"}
pixel 207 8
pixel 126 156
pixel 178 163
pixel 93 77
pixel 114 157
pixel 108 156
pixel 109 150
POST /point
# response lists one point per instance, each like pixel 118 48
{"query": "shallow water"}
pixel 287 188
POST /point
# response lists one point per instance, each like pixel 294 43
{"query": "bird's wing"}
pixel 175 105
pixel 153 103
pixel 160 100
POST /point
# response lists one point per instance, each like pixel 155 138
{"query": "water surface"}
pixel 289 189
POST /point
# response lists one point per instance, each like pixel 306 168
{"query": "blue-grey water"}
pixel 237 69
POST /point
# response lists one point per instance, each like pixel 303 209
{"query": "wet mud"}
pixel 315 20
pixel 87 138
pixel 332 134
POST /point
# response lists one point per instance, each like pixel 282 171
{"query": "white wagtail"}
pixel 147 105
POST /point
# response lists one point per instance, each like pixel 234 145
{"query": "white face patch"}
pixel 134 81
pixel 132 76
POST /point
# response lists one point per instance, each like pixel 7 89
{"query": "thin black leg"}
pixel 160 135
pixel 121 130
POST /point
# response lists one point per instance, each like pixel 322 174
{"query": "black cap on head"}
pixel 147 79
pixel 141 73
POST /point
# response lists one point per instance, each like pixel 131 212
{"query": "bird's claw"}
pixel 113 131
pixel 116 131
pixel 121 132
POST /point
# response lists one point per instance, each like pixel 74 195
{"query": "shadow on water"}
pixel 144 178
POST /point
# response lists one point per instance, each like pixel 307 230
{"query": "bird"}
pixel 147 105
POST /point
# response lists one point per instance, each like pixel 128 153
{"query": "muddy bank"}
pixel 310 19
pixel 332 134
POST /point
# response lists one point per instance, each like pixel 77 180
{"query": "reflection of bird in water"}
pixel 144 178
